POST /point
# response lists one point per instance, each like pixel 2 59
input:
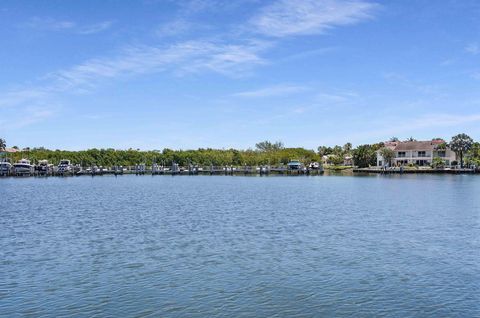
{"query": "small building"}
pixel 347 159
pixel 7 151
pixel 420 153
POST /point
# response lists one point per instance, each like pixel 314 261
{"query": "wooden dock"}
pixel 142 169
pixel 211 170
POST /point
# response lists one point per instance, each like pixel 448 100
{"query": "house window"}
pixel 441 154
pixel 422 162
pixel 401 154
pixel 422 154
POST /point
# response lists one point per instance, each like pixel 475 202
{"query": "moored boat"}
pixel 314 165
pixel 64 167
pixel 5 167
pixel 294 165
pixel 43 167
pixel 22 168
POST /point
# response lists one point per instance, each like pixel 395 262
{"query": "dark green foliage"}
pixel 438 163
pixel 387 154
pixel 266 153
pixel 324 150
pixel 336 160
pixel 269 146
pixel 365 155
pixel 461 144
pixel 216 157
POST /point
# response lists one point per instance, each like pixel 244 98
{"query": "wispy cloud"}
pixel 306 17
pixel 473 48
pixel 307 54
pixel 95 28
pixel 175 27
pixel 444 120
pixel 196 6
pixel 412 83
pixel 23 117
pixel 272 91
pixel 20 96
pixel 408 126
pixel 335 97
pixel 180 59
pixel 475 75
pixel 51 24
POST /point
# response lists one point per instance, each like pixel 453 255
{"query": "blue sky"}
pixel 152 74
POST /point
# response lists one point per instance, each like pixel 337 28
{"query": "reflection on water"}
pixel 205 246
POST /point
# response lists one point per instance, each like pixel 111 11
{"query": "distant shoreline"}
pixel 255 173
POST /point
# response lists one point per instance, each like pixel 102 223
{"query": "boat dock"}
pixel 174 169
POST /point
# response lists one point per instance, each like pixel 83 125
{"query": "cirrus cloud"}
pixel 306 17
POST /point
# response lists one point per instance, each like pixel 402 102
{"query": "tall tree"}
pixel 387 154
pixel 475 150
pixel 269 146
pixel 442 146
pixel 347 148
pixel 394 139
pixel 461 144
pixel 3 144
pixel 364 156
pixel 337 150
pixel 335 160
pixel 324 150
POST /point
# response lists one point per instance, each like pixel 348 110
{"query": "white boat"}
pixel 22 168
pixel 64 167
pixel 43 167
pixel 5 168
pixel 314 165
pixel 294 165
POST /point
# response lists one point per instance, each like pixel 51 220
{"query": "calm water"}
pixel 393 246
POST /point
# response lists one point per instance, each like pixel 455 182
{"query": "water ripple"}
pixel 399 246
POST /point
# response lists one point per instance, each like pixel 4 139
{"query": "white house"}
pixel 420 153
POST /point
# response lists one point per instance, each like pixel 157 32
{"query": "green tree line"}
pixel 208 156
pixel 265 152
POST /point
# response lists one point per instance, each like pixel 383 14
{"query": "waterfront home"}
pixel 7 151
pixel 420 153
pixel 347 159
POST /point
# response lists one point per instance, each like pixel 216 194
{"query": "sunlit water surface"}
pixel 219 246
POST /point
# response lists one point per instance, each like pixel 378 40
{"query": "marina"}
pixel 43 168
pixel 23 168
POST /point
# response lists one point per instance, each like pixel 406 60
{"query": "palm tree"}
pixel 461 144
pixel 387 154
pixel 347 147
pixel 3 144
